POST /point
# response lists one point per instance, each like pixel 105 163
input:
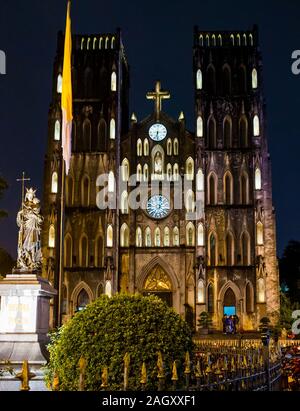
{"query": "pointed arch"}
pixel 201 292
pixel 57 130
pixel 166 237
pixel 85 191
pixel 68 250
pixel 189 169
pixel 169 172
pixel 258 179
pixel 146 172
pixel 139 237
pixel 111 182
pixel 200 236
pixel 256 126
pixel 254 78
pixel 200 180
pixel 199 79
pixel 227 132
pixel 176 172
pixel 190 201
pixel 108 288
pixel 69 190
pixel 81 296
pixel 113 81
pixel 211 133
pixel 102 135
pixel 54 183
pixel 109 236
pixel 83 251
pixel 139 148
pixel 169 147
pixel 59 83
pixel 199 126
pixel 176 147
pixel 148 240
pixel 125 172
pixel 157 237
pixel 190 234
pixel 149 267
pixel 112 129
pixel 124 235
pixel 124 202
pixel 139 172
pixel 259 233
pixel 146 147
pixel 228 188
pixel 261 291
pixel 51 236
pixel 212 188
pixel 176 240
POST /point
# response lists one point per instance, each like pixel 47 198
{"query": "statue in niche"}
pixel 29 220
pixel 158 163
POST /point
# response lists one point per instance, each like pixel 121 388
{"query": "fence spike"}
pixel 144 374
pixel 25 376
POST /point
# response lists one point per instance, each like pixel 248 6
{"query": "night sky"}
pixel 158 38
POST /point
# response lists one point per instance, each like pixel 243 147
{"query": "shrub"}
pixel 106 330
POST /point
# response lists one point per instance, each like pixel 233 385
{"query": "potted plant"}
pixel 204 322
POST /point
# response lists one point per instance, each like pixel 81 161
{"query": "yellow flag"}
pixel 66 97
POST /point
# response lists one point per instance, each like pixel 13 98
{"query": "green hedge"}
pixel 110 327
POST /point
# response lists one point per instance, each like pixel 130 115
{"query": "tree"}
pixel 109 328
pixel 3 186
pixel 289 268
pixel 6 262
pixel 286 309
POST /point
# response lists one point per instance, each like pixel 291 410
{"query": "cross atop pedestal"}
pixel 158 95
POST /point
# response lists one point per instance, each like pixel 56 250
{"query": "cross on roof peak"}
pixel 158 95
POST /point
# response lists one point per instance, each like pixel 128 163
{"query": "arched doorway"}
pixel 158 283
pixel 82 300
pixel 229 302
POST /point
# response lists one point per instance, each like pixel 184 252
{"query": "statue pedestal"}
pixel 24 324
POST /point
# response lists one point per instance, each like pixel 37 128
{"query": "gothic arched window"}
pixel 51 236
pixel 59 84
pixel 176 241
pixel 139 148
pixel 108 289
pixel 176 148
pixel 259 233
pixel 256 127
pixel 82 300
pixel 243 128
pixel 190 234
pixel 138 237
pixel 166 237
pixel 57 130
pixel 113 85
pixel 109 236
pixel 169 147
pixel 200 180
pixel 190 201
pixel 212 187
pixel 125 170
pixel 228 188
pixel 199 126
pixel 211 134
pixel 83 251
pixel 148 241
pixel 124 203
pixel 69 190
pixel 249 298
pixel 201 292
pixel 189 168
pixel 199 79
pixel 102 135
pixel 227 132
pixel 146 147
pixel 68 251
pixel 261 295
pixel 200 240
pixel 257 179
pixel 54 183
pixel 124 234
pixel 210 299
pixel 254 79
pixel 112 129
pixel 146 172
pixel 157 239
pixel 139 172
pixel 169 172
pixel 111 182
pixel 175 172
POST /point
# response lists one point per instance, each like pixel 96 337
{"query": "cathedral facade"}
pixel 190 215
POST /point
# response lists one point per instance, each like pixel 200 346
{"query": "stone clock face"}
pixel 158 206
pixel 157 132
